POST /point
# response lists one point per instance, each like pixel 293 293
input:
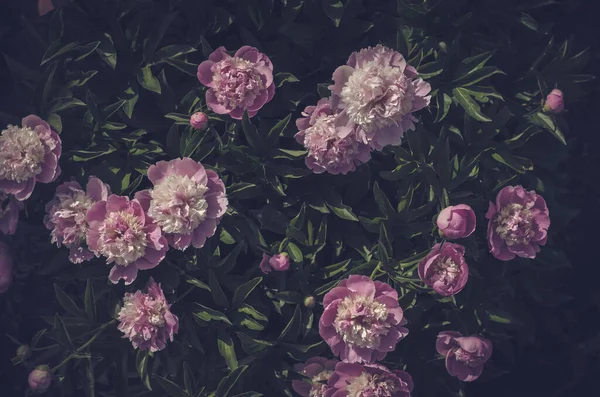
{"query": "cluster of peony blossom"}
pixel 372 102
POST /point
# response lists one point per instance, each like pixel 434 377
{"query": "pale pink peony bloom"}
pixel 66 215
pixel 465 355
pixel 456 221
pixel 146 319
pixel 555 101
pixel 238 83
pixel 28 154
pixel 334 144
pixel 362 320
pixel 6 268
pixel 122 232
pixel 317 371
pixel 9 213
pixel 370 380
pixel 444 269
pixel 199 120
pixel 187 201
pixel 379 92
pixel 518 223
pixel 40 378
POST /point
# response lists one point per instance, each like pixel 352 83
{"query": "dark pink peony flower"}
pixel 199 120
pixel 371 380
pixel 40 378
pixel 334 144
pixel 9 213
pixel 379 92
pixel 456 221
pixel 238 83
pixel 362 320
pixel 6 268
pixel 555 101
pixel 465 355
pixel 125 235
pixel 187 201
pixel 280 262
pixel 66 215
pixel 28 154
pixel 317 371
pixel 444 269
pixel 264 264
pixel 146 319
pixel 518 223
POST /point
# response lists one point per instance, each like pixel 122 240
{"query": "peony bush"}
pixel 278 198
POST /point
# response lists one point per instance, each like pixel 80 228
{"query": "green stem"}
pixel 84 346
pixel 375 271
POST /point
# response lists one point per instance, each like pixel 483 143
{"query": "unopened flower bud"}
pixel 40 378
pixel 199 120
pixel 554 102
pixel 24 352
pixel 310 301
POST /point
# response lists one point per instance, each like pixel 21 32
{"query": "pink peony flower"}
pixel 264 264
pixel 555 102
pixel 371 380
pixel 334 144
pixel 66 215
pixel 199 120
pixel 362 320
pixel 379 92
pixel 187 201
pixel 146 319
pixel 238 83
pixel 465 355
pixel 9 213
pixel 278 262
pixel 444 269
pixel 518 223
pixel 6 268
pixel 40 378
pixel 28 154
pixel 317 370
pixel 456 221
pixel 125 235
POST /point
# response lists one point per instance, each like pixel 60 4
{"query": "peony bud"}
pixel 554 102
pixel 199 120
pixel 6 268
pixel 456 221
pixel 40 378
pixel 280 262
pixel 24 352
pixel 310 301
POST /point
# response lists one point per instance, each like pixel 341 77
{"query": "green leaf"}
pixel 206 314
pixel 471 107
pixel 90 301
pixel 60 104
pixel 188 68
pixel 56 49
pixel 474 63
pixel 62 333
pixel 250 132
pixel 156 35
pixel 67 303
pixel 384 244
pixel 333 270
pixel 401 171
pixel 198 284
pixel 148 80
pixel 80 78
pixel 242 292
pixel 517 163
pixel 383 203
pixel 173 51
pixel 107 51
pixel 502 317
pixel 334 9
pixel 278 129
pixel 179 118
pixel 89 384
pixel 226 349
pixel 228 382
pixel 295 253
pixel 141 364
pixel 543 120
pixel 55 122
pixel 430 69
pixel 283 78
pixel 292 329
pixel 243 190
pixel 477 76
pixel 217 292
pixel 171 388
